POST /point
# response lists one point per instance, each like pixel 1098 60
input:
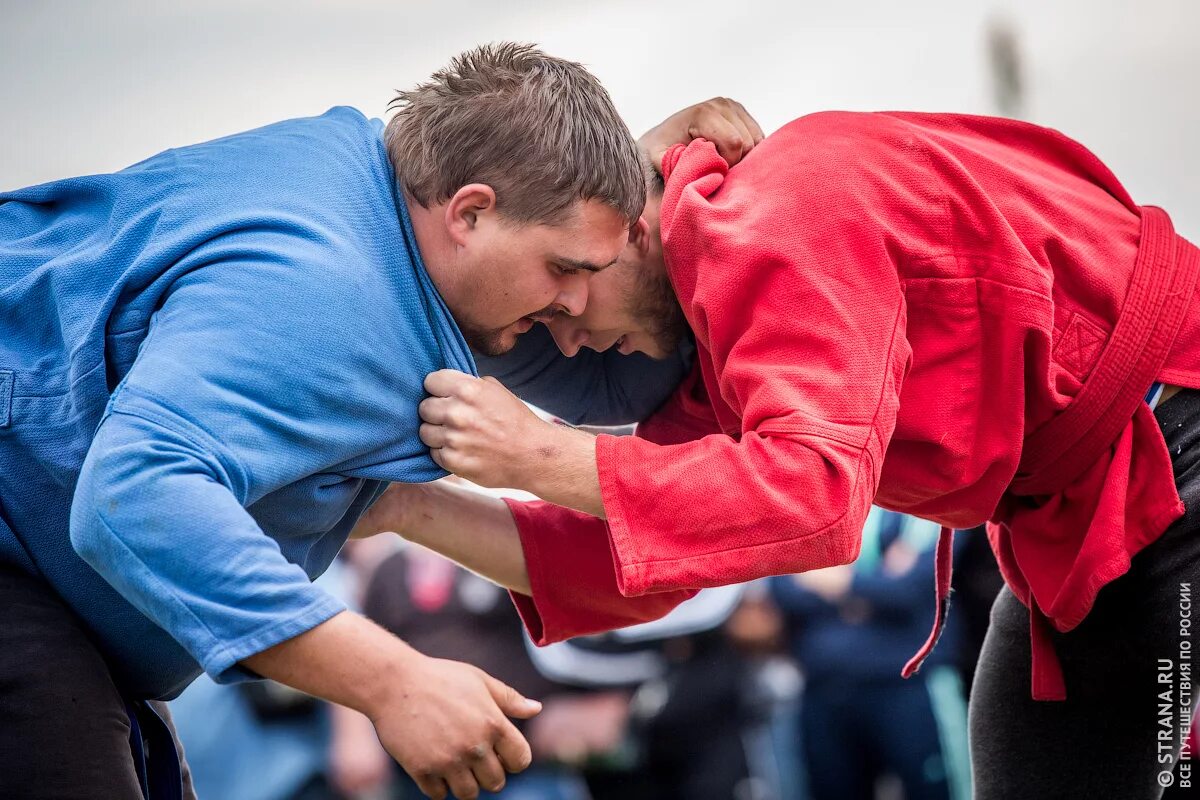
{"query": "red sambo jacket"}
pixel 954 317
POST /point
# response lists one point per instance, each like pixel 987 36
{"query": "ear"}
pixel 639 236
pixel 465 207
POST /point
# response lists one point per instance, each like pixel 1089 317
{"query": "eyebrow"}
pixel 585 265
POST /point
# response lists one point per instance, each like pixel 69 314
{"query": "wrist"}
pixel 398 510
pixel 565 466
pixel 549 452
pixel 390 683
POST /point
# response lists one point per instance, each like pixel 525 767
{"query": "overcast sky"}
pixel 93 87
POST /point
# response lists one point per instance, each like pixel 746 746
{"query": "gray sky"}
pixel 95 86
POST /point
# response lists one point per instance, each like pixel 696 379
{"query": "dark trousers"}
pixel 1118 733
pixel 64 728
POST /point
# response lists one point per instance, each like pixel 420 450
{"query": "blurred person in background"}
pixel 849 628
pixel 684 706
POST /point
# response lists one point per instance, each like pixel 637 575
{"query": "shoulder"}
pixel 336 158
pixel 837 154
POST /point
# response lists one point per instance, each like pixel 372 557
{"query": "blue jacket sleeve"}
pixel 245 384
pixel 591 388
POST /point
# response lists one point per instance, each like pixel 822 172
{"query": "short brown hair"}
pixel 541 131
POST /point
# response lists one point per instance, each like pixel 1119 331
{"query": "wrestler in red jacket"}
pixel 954 317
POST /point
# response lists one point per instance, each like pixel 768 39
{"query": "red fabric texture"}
pixel 954 317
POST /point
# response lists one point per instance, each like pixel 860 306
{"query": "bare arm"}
pixel 470 528
pixel 444 721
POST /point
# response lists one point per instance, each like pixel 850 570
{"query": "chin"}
pixel 491 343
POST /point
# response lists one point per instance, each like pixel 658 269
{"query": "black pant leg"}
pixel 64 731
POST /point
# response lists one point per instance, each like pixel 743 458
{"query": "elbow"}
pixel 90 537
pixel 849 545
pixel 848 541
pixel 842 538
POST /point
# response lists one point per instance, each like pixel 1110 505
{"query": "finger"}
pixel 432 786
pixel 462 783
pixel 512 748
pixel 747 136
pixel 436 455
pixel 751 123
pixel 436 410
pixel 511 702
pixel 738 117
pixel 722 133
pixel 435 437
pixel 486 768
pixel 447 382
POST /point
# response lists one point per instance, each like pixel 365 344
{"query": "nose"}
pixel 567 334
pixel 573 295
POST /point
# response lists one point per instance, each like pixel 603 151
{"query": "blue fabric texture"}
pixel 216 357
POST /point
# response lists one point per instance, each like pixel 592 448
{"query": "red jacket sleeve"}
pixel 786 273
pixel 572 574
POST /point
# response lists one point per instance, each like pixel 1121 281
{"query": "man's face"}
pixel 631 306
pixel 516 275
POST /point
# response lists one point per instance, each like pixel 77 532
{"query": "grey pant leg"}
pixel 1102 742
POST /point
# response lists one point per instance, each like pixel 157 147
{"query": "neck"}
pixel 437 251
pixel 652 215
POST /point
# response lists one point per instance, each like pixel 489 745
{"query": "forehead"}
pixel 592 237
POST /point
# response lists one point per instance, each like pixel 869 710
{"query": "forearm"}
pixel 468 527
pixel 347 660
pixel 566 473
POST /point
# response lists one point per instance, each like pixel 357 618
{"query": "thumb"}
pixel 511 702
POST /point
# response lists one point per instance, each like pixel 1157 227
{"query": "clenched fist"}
pixel 480 431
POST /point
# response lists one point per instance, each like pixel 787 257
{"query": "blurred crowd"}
pixel 785 689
